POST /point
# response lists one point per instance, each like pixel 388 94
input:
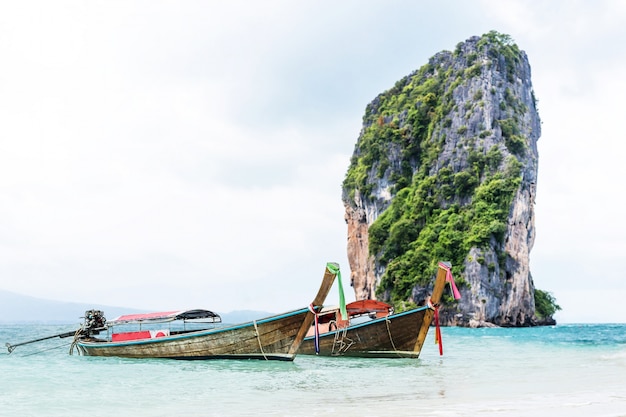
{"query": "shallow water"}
pixel 566 370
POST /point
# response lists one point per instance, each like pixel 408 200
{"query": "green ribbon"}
pixel 334 268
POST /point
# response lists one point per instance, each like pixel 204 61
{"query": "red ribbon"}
pixel 438 340
pixel 455 293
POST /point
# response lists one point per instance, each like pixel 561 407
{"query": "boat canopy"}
pixel 367 306
pixel 197 315
pixel 357 308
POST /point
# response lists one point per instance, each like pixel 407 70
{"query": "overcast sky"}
pixel 174 154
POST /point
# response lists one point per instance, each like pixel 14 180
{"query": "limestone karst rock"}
pixel 445 169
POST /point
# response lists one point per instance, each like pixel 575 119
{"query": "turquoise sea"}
pixel 564 370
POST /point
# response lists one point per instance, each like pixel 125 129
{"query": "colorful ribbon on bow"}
pixel 455 293
pixel 317 329
pixel 438 340
pixel 342 299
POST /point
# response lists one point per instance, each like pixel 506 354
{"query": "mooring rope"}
pixel 341 344
pixel 44 350
pixel 258 338
pixel 76 337
pixel 332 352
pixel 391 338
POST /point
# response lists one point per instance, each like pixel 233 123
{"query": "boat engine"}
pixel 94 322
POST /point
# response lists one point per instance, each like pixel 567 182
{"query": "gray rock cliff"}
pixel 456 144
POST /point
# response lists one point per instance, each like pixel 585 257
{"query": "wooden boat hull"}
pixel 394 336
pixel 271 338
pixel 398 335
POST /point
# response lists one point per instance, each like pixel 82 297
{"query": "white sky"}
pixel 173 154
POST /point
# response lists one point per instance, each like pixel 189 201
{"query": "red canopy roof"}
pixel 166 316
pixel 367 306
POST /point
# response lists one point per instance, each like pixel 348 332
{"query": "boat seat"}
pixel 142 334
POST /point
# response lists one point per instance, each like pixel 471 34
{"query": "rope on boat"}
pixel 393 345
pixel 76 337
pixel 258 338
pixel 337 341
pixel 343 346
pixel 45 350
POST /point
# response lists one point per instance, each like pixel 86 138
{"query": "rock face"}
pixel 445 169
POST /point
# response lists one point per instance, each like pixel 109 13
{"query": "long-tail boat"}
pixel 276 337
pixel 368 328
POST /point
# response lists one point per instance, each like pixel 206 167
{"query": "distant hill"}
pixel 18 308
pixel 241 316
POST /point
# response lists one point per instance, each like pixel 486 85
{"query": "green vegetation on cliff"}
pixel 419 228
pixel 545 304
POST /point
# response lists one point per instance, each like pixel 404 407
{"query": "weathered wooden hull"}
pixel 399 335
pixel 394 336
pixel 272 338
pixel 269 338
